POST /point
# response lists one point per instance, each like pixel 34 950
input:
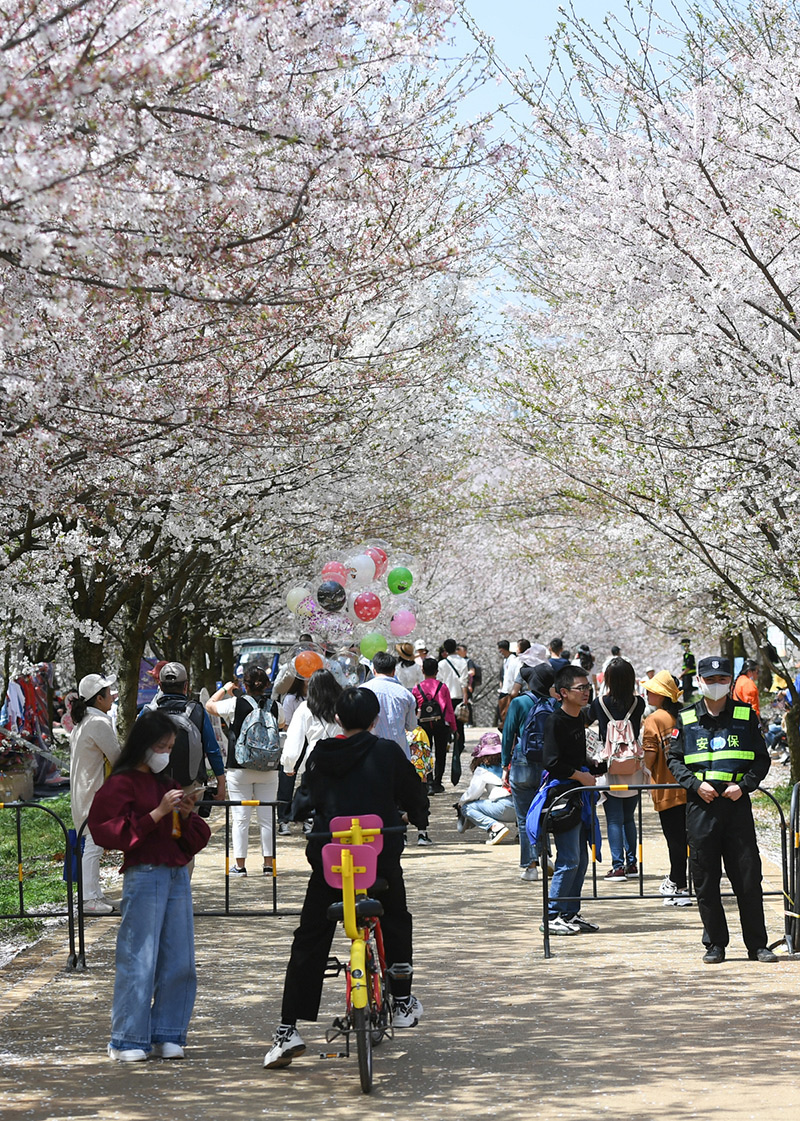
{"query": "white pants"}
pixel 90 867
pixel 245 784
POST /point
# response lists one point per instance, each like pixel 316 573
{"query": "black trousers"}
pixel 673 826
pixel 440 737
pixel 723 832
pixel 302 988
pixel 687 685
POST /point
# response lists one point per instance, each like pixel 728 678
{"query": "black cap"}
pixel 708 667
pixel 539 679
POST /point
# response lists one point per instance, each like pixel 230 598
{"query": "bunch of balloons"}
pixel 360 596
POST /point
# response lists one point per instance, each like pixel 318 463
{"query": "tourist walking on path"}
pixel 148 817
pixel 398 713
pixel 436 717
pixel 454 672
pixel 718 754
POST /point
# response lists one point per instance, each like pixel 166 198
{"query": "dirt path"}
pixel 624 1023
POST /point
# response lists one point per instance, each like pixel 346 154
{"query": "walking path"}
pixel 626 1023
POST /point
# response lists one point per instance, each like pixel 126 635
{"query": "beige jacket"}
pixel 655 741
pixel 93 747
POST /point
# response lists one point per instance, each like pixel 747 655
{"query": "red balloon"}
pixel 367 606
pixel 380 558
pixel 335 570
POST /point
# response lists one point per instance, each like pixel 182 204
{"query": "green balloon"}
pixel 371 643
pixel 399 580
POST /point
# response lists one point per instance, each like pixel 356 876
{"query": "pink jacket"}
pixel 430 687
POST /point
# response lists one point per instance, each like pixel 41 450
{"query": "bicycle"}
pixel 350 863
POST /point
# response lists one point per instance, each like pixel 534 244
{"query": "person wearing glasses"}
pixel 564 759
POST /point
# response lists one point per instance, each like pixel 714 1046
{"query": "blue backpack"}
pixel 531 738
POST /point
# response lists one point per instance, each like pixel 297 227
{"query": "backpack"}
pixel 622 749
pixel 531 738
pixel 186 762
pixel 477 673
pixel 258 743
pixel 430 711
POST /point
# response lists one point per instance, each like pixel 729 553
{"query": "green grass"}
pixel 42 863
pixel 782 795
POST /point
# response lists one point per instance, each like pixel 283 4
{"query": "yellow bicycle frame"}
pixel 359 994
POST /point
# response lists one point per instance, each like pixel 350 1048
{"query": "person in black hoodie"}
pixel 353 774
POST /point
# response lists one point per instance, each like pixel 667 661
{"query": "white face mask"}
pixel 157 760
pixel 714 691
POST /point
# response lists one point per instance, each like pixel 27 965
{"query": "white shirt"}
pixel 304 726
pixel 510 671
pixel 93 744
pixel 454 672
pixel 409 676
pixel 398 713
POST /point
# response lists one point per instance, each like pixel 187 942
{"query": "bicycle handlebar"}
pixel 370 830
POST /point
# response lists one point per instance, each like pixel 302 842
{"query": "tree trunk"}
pixel 132 652
pixel 225 646
pixel 87 655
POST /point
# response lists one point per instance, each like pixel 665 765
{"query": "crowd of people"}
pixel 313 745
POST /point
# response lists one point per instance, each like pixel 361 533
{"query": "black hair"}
pixel 430 667
pixel 586 658
pixel 79 706
pixel 566 654
pixel 153 725
pixel 615 650
pixel 504 644
pixel 556 645
pixel 567 676
pixel 384 662
pixel 322 695
pixel 449 646
pixel 357 708
pixel 620 681
pixel 523 645
pixel 748 665
pixel 256 680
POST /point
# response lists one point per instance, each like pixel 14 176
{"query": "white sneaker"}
pixel 529 873
pixel 168 1051
pixel 681 898
pixel 667 887
pixel 560 925
pixel 97 907
pixel 583 924
pixel 407 1011
pixel 132 1055
pixel 497 834
pixel 287 1044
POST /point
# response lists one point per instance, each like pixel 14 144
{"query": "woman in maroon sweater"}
pixel 153 822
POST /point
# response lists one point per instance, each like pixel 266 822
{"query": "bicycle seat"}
pixel 365 909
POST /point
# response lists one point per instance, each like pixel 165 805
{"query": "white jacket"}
pixel 304 726
pixel 93 745
pixel 484 784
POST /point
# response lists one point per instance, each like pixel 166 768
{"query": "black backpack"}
pixel 430 711
pixel 187 759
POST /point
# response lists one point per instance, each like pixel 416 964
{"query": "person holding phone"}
pixel 152 820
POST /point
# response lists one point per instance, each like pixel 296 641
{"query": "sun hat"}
pixel 489 744
pixel 405 650
pixel 664 684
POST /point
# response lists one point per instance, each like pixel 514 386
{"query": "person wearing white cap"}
pixel 93 751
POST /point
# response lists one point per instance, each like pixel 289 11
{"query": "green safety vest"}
pixel 722 755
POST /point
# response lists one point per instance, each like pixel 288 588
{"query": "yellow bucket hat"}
pixel 664 684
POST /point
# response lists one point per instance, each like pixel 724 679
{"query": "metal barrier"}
pixel 790 870
pixel 73 962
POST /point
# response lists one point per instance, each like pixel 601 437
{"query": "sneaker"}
pixel 763 954
pixel 424 839
pixel 560 925
pixel 632 869
pixel 529 873
pixel 267 870
pixel 616 874
pixel 287 1044
pixel 714 955
pixel 168 1051
pixel 437 788
pixel 667 887
pixel 131 1055
pixel 284 829
pixel 680 898
pixel 497 834
pixel 406 1013
pixel 237 871
pixel 97 907
pixel 583 924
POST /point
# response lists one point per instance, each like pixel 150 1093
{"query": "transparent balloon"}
pixel 335 570
pixel 403 623
pixel 306 658
pixel 399 580
pixel 296 595
pixel 361 570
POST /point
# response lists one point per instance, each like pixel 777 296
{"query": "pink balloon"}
pixel 380 558
pixel 367 606
pixel 403 623
pixel 335 570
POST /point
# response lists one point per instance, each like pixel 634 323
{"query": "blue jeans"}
pixel 486 813
pixel 156 981
pixel 524 781
pixel 572 860
pixel 621 826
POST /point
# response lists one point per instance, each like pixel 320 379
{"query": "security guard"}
pixel 718 753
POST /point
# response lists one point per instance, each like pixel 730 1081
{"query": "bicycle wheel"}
pixel 362 1028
